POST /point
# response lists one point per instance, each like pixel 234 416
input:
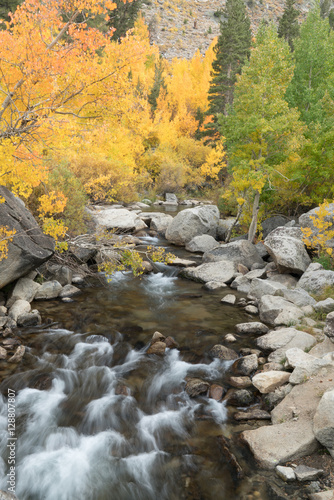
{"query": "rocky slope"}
pixel 181 27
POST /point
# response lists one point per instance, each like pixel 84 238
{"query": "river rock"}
pixel 323 495
pixel 268 381
pixel 252 414
pixel 306 221
pixel 5 495
pixel 171 343
pixel 287 249
pixel 329 326
pixel 193 222
pixel 222 271
pixel 316 279
pixel 239 397
pixel 196 386
pixel 259 288
pixel 308 367
pixel 299 297
pixel 246 365
pixel 287 280
pixel 323 423
pixel 251 309
pixel 216 392
pixel 51 271
pixel 171 198
pixel 29 319
pixel 240 252
pixel 285 473
pixel 160 222
pixel 3 353
pixel 157 337
pixel 119 219
pixel 305 473
pixel 278 311
pixel 18 308
pixel 277 444
pixel 223 227
pixel 202 243
pixel 285 338
pixel 240 382
pixel 69 291
pixel 29 248
pixel 48 290
pixel 325 306
pixel 222 352
pixel 25 289
pixel 158 348
pixel 229 299
pixel 18 355
pixel 251 328
pixel 214 285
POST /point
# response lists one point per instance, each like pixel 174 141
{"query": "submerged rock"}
pixel 196 386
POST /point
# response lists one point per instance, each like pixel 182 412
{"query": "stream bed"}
pixel 97 418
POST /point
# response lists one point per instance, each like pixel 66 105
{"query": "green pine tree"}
pixel 158 84
pixel 7 6
pixel 288 27
pixel 232 51
pixel 124 17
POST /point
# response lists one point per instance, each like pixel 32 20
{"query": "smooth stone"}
pixel 19 308
pixel 3 353
pixel 246 365
pixel 316 279
pixel 253 327
pixel 216 392
pixel 229 299
pixel 251 310
pixel 214 271
pixel 157 337
pixel 285 473
pixel 196 386
pixel 305 473
pixel 193 222
pixel 48 290
pixel 222 352
pixel 268 381
pixel 240 252
pixel 157 348
pixel 214 285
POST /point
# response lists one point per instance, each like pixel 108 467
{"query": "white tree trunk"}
pixel 253 224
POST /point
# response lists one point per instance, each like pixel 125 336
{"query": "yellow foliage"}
pixel 6 235
pixel 323 223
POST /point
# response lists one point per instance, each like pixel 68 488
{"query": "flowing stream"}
pixel 97 418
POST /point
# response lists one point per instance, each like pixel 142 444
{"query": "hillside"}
pixel 180 27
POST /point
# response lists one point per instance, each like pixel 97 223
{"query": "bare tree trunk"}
pixel 253 225
pixel 229 232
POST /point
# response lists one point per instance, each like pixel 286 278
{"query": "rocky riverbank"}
pixel 286 378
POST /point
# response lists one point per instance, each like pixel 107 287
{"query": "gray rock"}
pixel 251 310
pixel 253 327
pixel 69 291
pixel 29 319
pixel 284 339
pixel 262 250
pixel 24 289
pixel 202 243
pixel 214 285
pixel 192 222
pixel 268 225
pixel 239 397
pixel 223 227
pixel 261 287
pixel 308 367
pixel 18 308
pixel 119 219
pixel 329 327
pixel 268 381
pixel 222 352
pixel 230 338
pixel 304 473
pixel 160 222
pixel 240 382
pixel 278 311
pixel 306 221
pixel 18 355
pixel 285 279
pixel 326 305
pixel 285 473
pixel 3 353
pixel 323 423
pixel 222 271
pixel 316 279
pixel 48 290
pixel 299 297
pixel 323 495
pixel 29 248
pixel 287 249
pixel 171 198
pixel 196 386
pixel 246 365
pixel 3 321
pixel 51 272
pixel 229 299
pixel 241 252
pixel 277 444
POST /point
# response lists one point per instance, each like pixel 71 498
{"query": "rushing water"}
pixel 97 418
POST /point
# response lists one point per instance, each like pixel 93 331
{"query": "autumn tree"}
pixel 288 27
pixel 123 17
pixel 231 52
pixel 263 134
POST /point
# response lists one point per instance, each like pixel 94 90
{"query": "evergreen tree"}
pixel 7 6
pixel 232 50
pixel 326 10
pixel 124 17
pixel 159 83
pixel 288 27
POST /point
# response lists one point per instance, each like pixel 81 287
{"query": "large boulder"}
pixel 29 248
pixel 306 221
pixel 316 279
pixel 240 252
pixel 160 222
pixel 278 311
pixel 259 288
pixel 223 271
pixel 202 243
pixel 329 327
pixel 192 222
pixel 283 339
pixel 287 249
pixel 272 223
pixel 323 423
pixel 119 219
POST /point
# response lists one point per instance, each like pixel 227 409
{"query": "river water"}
pixel 99 419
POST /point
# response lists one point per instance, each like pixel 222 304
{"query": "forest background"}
pixel 91 112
